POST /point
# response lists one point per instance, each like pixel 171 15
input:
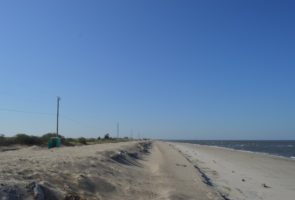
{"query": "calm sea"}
pixel 284 148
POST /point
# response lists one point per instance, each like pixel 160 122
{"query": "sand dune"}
pixel 131 170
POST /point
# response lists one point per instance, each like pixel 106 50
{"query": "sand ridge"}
pixel 131 170
pixel 84 172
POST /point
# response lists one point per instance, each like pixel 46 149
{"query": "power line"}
pixel 43 113
pixel 26 112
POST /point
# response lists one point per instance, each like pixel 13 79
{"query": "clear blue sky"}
pixel 165 69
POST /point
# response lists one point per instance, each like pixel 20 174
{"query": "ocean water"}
pixel 285 148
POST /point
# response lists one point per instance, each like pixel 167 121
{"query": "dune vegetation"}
pixel 29 140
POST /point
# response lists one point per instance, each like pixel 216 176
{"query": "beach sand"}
pixel 144 171
pixel 242 175
pixel 129 170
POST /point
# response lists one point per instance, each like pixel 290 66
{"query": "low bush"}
pixel 82 140
pixel 27 140
pixel 24 139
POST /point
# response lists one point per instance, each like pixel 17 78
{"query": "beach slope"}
pixel 130 170
pixel 242 175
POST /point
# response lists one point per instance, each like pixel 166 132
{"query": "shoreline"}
pixel 242 150
pixel 241 174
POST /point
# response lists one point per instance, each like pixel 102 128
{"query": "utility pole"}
pixel 57 116
pixel 118 130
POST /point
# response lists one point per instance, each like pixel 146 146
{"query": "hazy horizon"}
pixel 162 69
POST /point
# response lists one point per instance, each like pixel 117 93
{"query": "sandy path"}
pixel 176 178
pixel 243 175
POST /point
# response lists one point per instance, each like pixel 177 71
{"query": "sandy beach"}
pixel 242 175
pixel 129 170
pixel 143 170
pixel 105 100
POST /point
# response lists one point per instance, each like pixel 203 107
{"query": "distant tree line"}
pixel 24 139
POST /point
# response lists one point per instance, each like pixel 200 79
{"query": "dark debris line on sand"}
pixel 208 182
pixel 205 178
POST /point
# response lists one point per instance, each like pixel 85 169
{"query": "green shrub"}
pixel 27 140
pixel 107 136
pixel 2 140
pixel 82 140
pixel 9 141
pixel 45 138
pixel 90 139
